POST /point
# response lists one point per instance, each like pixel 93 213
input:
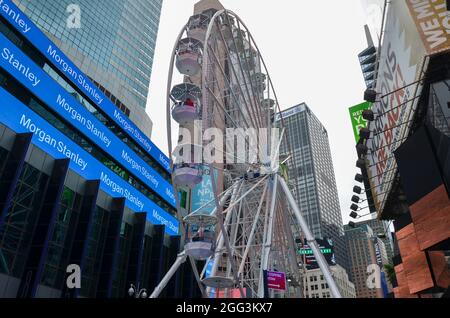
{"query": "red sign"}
pixel 276 280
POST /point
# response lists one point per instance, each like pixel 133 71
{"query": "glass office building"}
pixel 311 175
pixel 79 182
pixel 114 45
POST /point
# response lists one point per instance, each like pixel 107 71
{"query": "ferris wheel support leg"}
pixel 197 277
pixel 220 241
pixel 311 241
pixel 181 258
pixel 252 232
pixel 268 238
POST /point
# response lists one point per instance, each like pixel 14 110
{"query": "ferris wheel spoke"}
pixel 257 108
pixel 235 73
pixel 221 106
pixel 228 83
pixel 250 94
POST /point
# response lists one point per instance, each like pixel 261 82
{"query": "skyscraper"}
pixel 364 249
pixel 317 287
pixel 367 59
pixel 113 45
pixel 381 228
pixel 311 174
pixel 80 184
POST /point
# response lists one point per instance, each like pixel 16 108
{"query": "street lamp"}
pixel 133 291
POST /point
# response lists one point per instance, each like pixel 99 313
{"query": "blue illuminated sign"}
pixel 21 119
pixel 30 31
pixel 45 88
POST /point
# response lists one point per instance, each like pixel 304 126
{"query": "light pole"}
pixel 133 291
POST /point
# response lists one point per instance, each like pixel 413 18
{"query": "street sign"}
pixel 276 280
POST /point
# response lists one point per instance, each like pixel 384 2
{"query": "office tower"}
pixel 364 249
pixel 381 229
pixel 79 182
pixel 317 287
pixel 367 59
pixel 311 175
pixel 114 45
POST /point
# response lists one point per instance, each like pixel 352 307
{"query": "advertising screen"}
pixel 326 248
pixel 203 194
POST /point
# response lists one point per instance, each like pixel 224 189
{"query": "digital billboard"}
pixel 22 68
pixel 22 119
pixel 30 31
pixel 326 247
pixel 203 194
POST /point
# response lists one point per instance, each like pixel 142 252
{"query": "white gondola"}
pixel 200 240
pixel 227 24
pixel 200 219
pixel 188 172
pixel 260 82
pixel 268 103
pixel 218 282
pixel 197 26
pixel 187 175
pixel 237 42
pixel 189 56
pixel 186 107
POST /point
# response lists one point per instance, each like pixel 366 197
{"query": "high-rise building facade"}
pixel 113 44
pixel 317 287
pixel 311 174
pixel 80 183
pixel 381 230
pixel 363 249
pixel 367 59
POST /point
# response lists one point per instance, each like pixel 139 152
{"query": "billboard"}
pixel 203 194
pixel 433 23
pixel 326 248
pixel 357 119
pixel 276 280
pixel 401 65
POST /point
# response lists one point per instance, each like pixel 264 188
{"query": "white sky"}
pixel 310 48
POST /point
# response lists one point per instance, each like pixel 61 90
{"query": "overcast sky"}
pixel 310 48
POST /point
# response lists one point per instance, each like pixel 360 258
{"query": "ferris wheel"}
pixel 240 220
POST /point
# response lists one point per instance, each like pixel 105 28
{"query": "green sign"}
pixel 310 252
pixel 358 121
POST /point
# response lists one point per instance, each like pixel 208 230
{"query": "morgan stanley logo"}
pixel 257 146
